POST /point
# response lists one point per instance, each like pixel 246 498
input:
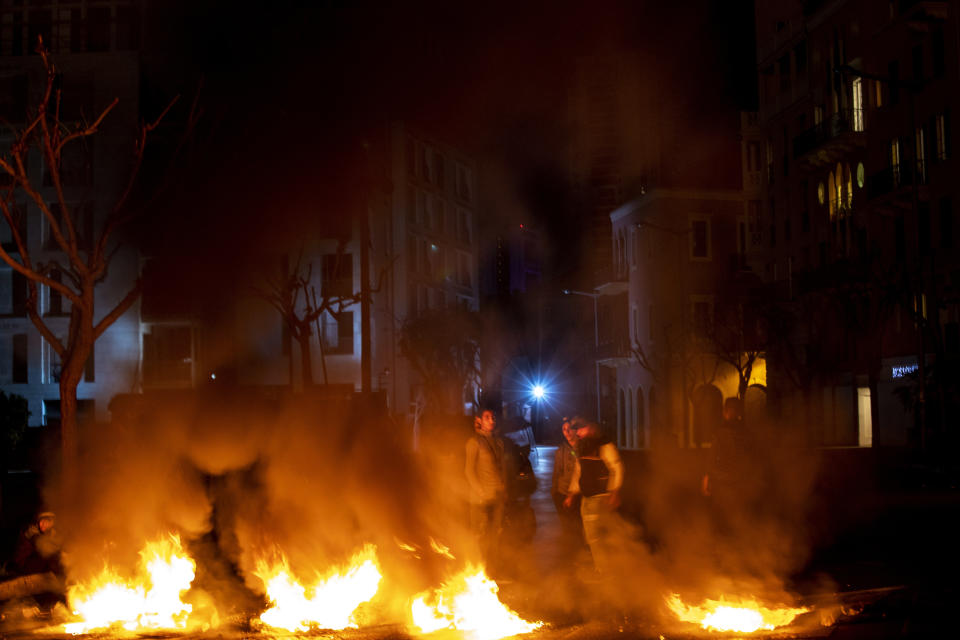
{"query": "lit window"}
pixel 895 161
pixel 849 181
pixel 821 195
pixel 878 89
pixel 857 105
pixel 940 123
pixel 832 190
pixel 861 175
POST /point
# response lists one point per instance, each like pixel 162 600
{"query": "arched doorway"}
pixel 640 435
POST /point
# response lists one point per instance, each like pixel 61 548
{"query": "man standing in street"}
pixel 598 477
pixel 485 469
pixel 564 465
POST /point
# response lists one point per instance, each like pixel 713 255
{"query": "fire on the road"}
pixel 741 615
pixel 330 602
pixel 468 603
pixel 150 600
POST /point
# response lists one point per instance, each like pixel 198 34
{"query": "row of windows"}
pixel 436 214
pixel 70 29
pixel 14 362
pixel 429 166
pixel 779 77
pixel 631 421
pixel 423 298
pixel 438 262
pixel 699 239
pixel 81 216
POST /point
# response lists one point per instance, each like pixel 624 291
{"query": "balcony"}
pixel 891 185
pixel 831 140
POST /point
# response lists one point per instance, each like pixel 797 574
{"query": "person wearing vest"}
pixel 564 464
pixel 485 469
pixel 597 479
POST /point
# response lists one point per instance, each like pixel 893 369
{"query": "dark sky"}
pixel 291 88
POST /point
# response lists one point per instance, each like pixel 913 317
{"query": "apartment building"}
pixel 857 212
pixel 94 45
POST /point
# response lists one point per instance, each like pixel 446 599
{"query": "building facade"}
pixel 857 208
pixel 94 46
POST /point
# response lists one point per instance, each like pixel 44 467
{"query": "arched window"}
pixel 620 416
pixel 848 178
pixel 627 419
pixel 839 185
pixel 832 191
pixel 639 433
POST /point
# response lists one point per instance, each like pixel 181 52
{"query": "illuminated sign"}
pixel 904 370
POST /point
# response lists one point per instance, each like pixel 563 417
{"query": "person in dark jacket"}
pixel 486 471
pixel 38 549
pixel 564 466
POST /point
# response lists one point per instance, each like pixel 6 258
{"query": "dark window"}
pixel 893 72
pixel 783 68
pixel 128 28
pixel 55 308
pixel 89 368
pixel 923 227
pixel 946 223
pixel 951 337
pixel 338 333
pixel 899 240
pixel 168 356
pixel 800 58
pixel 937 51
pixel 78 30
pixel 20 368
pixel 916 57
pixel 337 275
pixel 98 29
pixel 700 239
pixel 13 98
pixel 39 25
pixel 16 42
pixel 440 167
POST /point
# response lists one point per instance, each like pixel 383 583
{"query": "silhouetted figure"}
pixel 486 471
pixel 564 466
pixel 38 549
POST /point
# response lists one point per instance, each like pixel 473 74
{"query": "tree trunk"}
pixel 69 433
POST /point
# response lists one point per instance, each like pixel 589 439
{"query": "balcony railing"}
pixel 840 123
pixel 888 180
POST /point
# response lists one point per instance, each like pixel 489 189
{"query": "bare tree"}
pixel 291 292
pixel 85 248
pixel 443 347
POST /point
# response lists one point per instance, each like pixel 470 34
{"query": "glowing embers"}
pixel 468 603
pixel 151 600
pixel 332 600
pixel 741 615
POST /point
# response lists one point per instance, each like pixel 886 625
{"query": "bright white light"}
pixel 538 391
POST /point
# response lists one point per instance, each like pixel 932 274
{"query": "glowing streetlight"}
pixel 538 391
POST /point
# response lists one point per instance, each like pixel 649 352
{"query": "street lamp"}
pixel 538 391
pixel 596 339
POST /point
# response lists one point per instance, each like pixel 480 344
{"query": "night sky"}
pixel 290 91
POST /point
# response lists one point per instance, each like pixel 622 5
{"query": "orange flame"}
pixel 329 603
pixel 468 603
pixel 149 601
pixel 743 615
